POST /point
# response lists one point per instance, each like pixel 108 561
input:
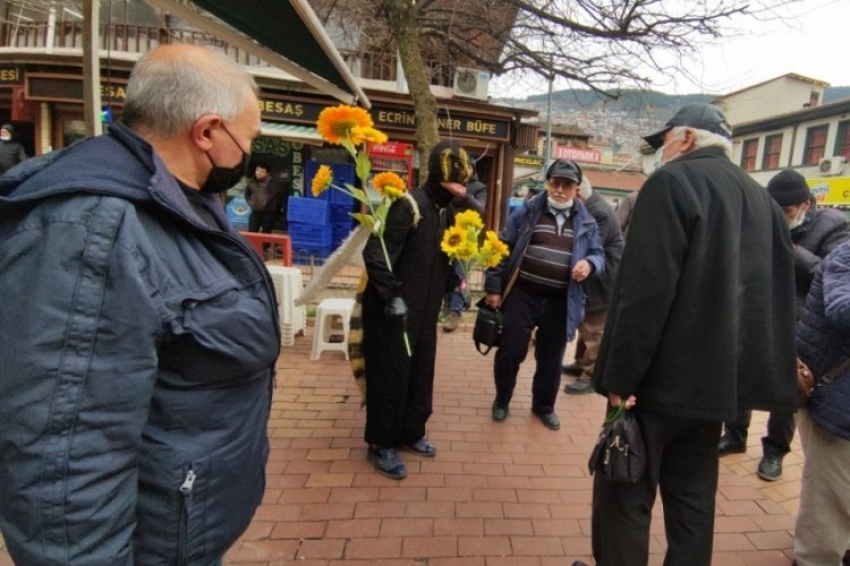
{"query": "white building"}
pixel 782 124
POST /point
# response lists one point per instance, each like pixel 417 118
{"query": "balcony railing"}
pixel 139 39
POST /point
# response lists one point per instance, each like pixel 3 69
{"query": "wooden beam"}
pixel 91 68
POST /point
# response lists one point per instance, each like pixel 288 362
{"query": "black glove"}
pixel 396 308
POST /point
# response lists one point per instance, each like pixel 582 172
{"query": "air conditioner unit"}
pixel 832 165
pixel 471 83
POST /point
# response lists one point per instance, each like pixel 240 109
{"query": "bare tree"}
pixel 600 44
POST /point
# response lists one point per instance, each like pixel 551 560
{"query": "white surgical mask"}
pixel 5 137
pixel 798 220
pixel 562 206
pixel 659 154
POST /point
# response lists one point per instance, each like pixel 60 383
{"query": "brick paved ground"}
pixel 511 494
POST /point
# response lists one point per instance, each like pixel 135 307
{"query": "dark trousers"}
pixel 780 432
pixel 261 221
pixel 399 388
pixel 681 457
pixel 521 312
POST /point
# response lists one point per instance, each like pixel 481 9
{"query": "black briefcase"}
pixel 488 328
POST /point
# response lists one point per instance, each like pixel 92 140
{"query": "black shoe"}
pixel 573 369
pixel 580 563
pixel 770 467
pixel 422 447
pixel 578 387
pixel 500 414
pixel 728 446
pixel 549 420
pixel 387 462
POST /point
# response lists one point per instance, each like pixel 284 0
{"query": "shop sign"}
pixel 457 125
pixel 290 110
pixel 534 161
pixel 11 75
pixel 307 112
pixel 578 154
pixel 275 146
pixel 392 149
pixel 831 191
pixel 70 89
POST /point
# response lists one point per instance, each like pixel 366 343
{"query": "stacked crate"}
pixel 309 226
pixel 340 203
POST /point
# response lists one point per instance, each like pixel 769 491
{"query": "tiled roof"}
pixel 615 180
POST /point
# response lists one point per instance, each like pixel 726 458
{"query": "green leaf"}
pixel 363 167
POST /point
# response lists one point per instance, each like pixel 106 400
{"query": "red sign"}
pixel 392 149
pixel 578 154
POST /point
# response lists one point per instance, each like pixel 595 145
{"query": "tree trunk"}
pixel 402 18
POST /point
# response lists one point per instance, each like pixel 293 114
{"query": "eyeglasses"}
pixel 562 184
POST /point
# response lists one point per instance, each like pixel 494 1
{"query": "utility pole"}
pixel 547 151
pixel 91 68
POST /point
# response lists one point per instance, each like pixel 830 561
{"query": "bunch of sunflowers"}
pixel 352 128
pixel 463 242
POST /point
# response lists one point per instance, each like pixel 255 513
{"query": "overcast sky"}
pixel 814 43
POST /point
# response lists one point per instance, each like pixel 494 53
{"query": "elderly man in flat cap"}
pixel 698 327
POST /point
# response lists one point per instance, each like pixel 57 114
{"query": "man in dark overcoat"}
pixel 699 326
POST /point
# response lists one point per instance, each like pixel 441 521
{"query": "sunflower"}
pixel 321 180
pixel 335 123
pixel 453 239
pixel 370 136
pixel 469 219
pixel 466 251
pixel 389 184
pixel 498 245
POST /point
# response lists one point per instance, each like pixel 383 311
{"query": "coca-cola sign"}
pixel 578 154
pixel 395 149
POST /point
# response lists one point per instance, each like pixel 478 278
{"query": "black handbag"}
pixel 619 454
pixel 488 327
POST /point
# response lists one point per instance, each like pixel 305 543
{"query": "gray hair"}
pixel 168 93
pixel 704 138
pixel 585 189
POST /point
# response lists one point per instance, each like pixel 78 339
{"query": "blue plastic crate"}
pixel 340 232
pixel 341 198
pixel 307 210
pixel 310 235
pixel 341 214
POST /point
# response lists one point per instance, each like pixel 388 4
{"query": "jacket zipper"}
pixel 185 512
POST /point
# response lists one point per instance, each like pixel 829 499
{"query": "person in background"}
pixel 139 349
pixel 624 211
pixel 11 151
pixel 815 232
pixel 403 299
pixel 554 247
pixel 699 326
pixel 457 298
pixel 598 291
pixel 264 194
pixel 822 532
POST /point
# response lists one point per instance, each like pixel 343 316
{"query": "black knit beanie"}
pixel 449 162
pixel 788 188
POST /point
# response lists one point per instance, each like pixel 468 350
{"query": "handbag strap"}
pixel 829 376
pixel 485 352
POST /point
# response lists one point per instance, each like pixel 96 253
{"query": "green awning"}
pixel 292 132
pixel 285 33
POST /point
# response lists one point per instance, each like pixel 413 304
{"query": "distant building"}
pixel 787 93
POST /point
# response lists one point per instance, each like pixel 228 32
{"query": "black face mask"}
pixel 223 178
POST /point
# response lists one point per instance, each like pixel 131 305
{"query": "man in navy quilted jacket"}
pixel 139 332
